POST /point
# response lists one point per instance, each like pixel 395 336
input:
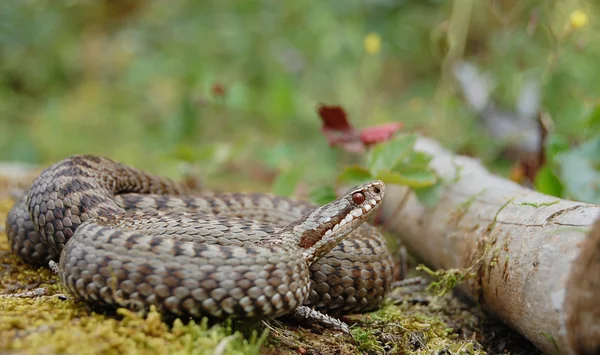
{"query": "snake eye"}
pixel 358 198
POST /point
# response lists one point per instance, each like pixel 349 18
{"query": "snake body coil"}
pixel 128 238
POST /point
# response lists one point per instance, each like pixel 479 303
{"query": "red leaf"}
pixel 380 133
pixel 334 118
pixel 339 132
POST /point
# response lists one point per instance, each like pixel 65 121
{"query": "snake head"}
pixel 321 230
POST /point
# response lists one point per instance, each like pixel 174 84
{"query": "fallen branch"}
pixel 522 247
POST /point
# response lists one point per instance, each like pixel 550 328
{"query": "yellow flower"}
pixel 372 43
pixel 578 19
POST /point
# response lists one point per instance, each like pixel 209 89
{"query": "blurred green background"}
pixel 228 90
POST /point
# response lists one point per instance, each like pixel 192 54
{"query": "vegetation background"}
pixel 228 90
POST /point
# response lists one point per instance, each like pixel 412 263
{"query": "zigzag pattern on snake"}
pixel 129 238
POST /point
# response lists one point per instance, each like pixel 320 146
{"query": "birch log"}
pixel 536 261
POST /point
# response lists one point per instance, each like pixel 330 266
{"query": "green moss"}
pixel 367 341
pixel 538 205
pixel 447 279
pixel 405 329
pixel 52 325
pixel 493 224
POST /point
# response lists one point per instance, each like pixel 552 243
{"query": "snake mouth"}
pixel 353 215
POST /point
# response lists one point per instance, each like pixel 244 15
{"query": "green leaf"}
pixel 429 196
pixel 415 179
pixel 579 171
pixel 286 182
pixel 386 155
pixel 547 182
pixel 395 162
pixel 323 195
pixel 413 161
pixel 354 175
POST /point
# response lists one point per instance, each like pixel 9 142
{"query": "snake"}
pixel 124 237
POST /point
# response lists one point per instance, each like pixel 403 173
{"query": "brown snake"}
pixel 128 238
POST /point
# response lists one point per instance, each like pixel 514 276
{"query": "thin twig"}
pixel 41 291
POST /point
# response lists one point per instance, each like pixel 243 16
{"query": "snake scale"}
pixel 124 237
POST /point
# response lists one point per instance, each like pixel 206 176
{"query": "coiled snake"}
pixel 128 238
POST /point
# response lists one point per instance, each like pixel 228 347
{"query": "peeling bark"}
pixel 525 248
